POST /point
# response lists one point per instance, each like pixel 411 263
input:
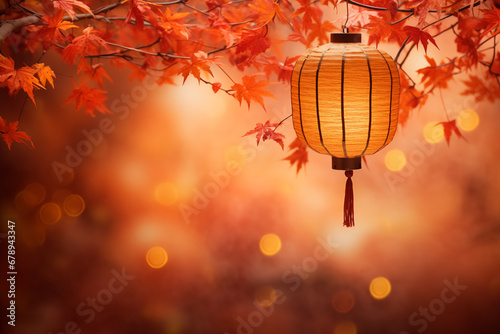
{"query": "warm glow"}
pixel 235 154
pixel 265 296
pixel 468 120
pixel 156 257
pixel 345 327
pixel 380 287
pixel 50 213
pixel 433 132
pixel 74 205
pixel 343 301
pixel 166 194
pixel 270 244
pixel 395 160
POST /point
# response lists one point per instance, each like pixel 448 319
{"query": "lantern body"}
pixel 345 98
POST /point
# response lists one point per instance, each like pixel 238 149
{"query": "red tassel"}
pixel 348 201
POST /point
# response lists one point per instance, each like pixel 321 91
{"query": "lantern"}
pixel 345 102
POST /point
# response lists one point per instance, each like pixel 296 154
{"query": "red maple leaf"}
pixel 419 36
pixel 216 86
pixel 51 31
pixel 83 45
pixel 299 155
pixel 251 90
pixel 198 63
pixel 380 29
pixel 9 134
pixel 67 6
pixel 90 98
pixel 254 42
pixel 311 14
pixel 267 10
pixel 96 72
pixel 450 127
pixel 490 22
pixel 267 131
pixel 481 90
pixel 437 76
pixel 139 10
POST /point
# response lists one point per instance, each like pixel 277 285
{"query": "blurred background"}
pixel 171 222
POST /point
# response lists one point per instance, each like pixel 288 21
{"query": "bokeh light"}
pixel 166 193
pixel 270 244
pixel 236 155
pixel 34 194
pixel 345 327
pixel 395 160
pixel 380 287
pixel 50 213
pixel 156 257
pixel 265 296
pixel 343 301
pixel 74 205
pixel 433 132
pixel 468 120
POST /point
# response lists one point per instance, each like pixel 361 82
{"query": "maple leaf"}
pixel 90 98
pixel 450 127
pixel 437 76
pixel 67 6
pixel 251 90
pixel 490 22
pixel 418 36
pixel 169 24
pixel 286 68
pixel 198 63
pixel 253 42
pixel 10 134
pixel 267 132
pixel 50 32
pixel 268 10
pixel 481 90
pixel 96 72
pixel 310 13
pixel 422 8
pixel 139 10
pixel 44 74
pixel 379 29
pixel 216 86
pixel 321 32
pixel 299 156
pixel 22 78
pixel 83 45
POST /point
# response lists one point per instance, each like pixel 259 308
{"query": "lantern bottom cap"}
pixel 346 163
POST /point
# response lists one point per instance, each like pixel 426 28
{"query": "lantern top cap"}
pixel 345 38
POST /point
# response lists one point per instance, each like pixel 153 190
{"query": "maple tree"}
pixel 190 38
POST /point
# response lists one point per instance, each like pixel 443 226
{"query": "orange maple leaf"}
pixel 268 10
pixel 10 134
pixel 299 155
pixel 22 78
pixel 418 36
pixel 51 31
pixel 380 29
pixel 251 90
pixel 96 72
pixel 90 98
pixel 490 22
pixel 311 14
pixel 450 127
pixel 198 63
pixel 267 131
pixel 44 74
pixel 481 90
pixel 67 6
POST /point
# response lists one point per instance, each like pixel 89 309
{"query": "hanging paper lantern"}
pixel 345 103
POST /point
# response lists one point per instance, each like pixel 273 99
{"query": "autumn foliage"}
pixel 195 39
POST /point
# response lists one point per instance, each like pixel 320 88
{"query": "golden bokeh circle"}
pixel 433 132
pixel 74 205
pixel 50 213
pixel 468 120
pixel 395 160
pixel 156 257
pixel 265 296
pixel 270 244
pixel 34 194
pixel 345 327
pixel 380 287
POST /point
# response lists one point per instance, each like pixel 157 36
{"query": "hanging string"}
pixel 348 201
pixel 345 29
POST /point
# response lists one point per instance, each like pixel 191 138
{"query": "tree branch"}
pixel 8 27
